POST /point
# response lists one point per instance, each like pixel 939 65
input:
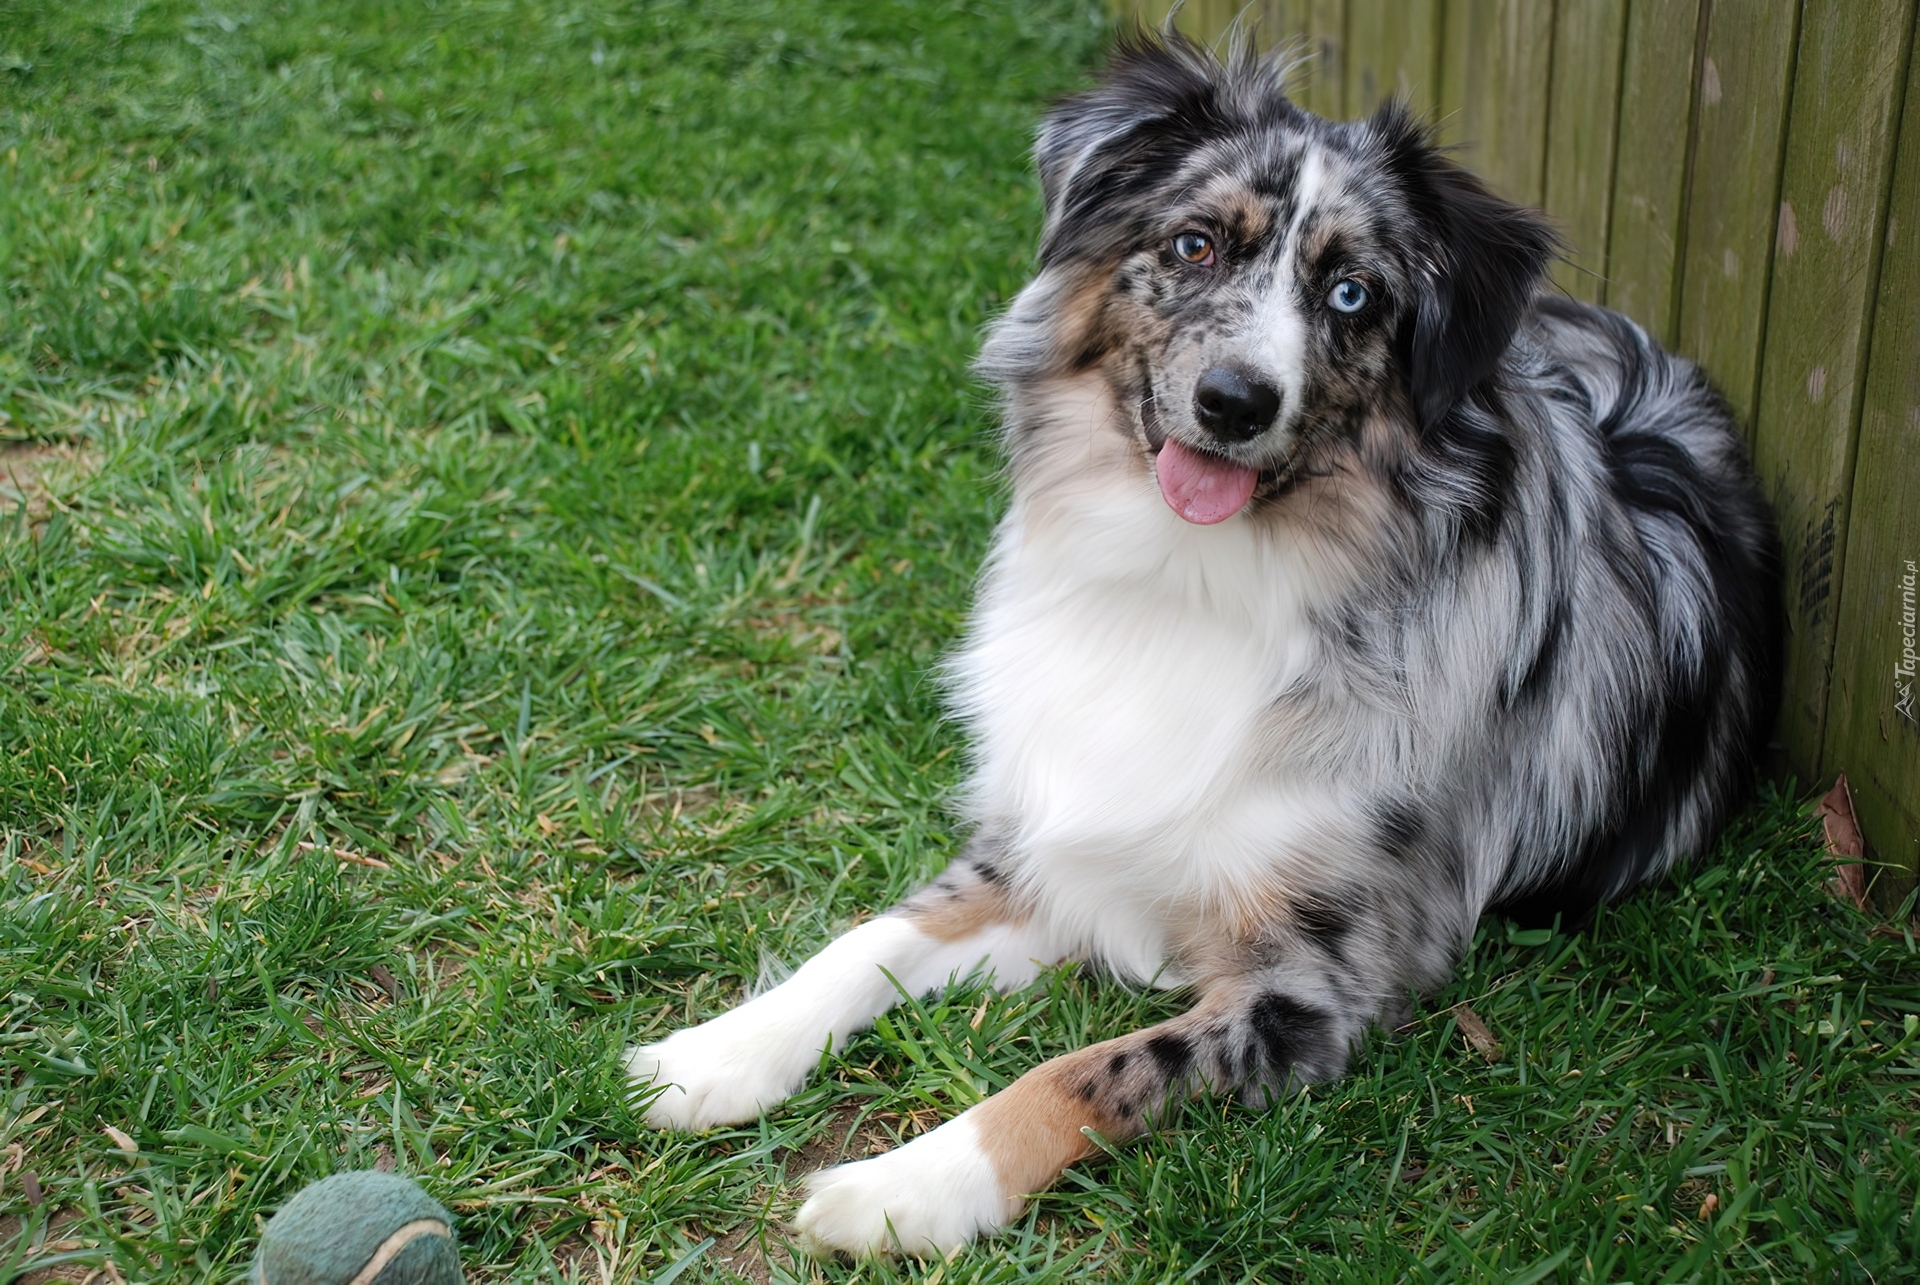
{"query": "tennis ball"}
pixel 359 1228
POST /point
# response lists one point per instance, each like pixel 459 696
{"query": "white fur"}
pixel 749 1059
pixel 1275 340
pixel 1114 682
pixel 934 1194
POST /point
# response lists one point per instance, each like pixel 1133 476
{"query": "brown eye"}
pixel 1195 248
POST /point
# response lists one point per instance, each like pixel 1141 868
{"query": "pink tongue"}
pixel 1200 488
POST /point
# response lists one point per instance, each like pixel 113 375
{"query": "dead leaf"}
pixel 1476 1032
pixel 120 1140
pixel 1845 845
pixel 383 978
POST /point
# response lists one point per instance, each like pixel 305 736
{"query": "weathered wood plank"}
pixel 1202 20
pixel 1455 30
pixel 1588 36
pixel 1497 65
pixel 1318 26
pixel 1393 51
pixel 1657 85
pixel 1740 117
pixel 1847 85
pixel 1873 721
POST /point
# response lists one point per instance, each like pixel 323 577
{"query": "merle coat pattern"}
pixel 1353 585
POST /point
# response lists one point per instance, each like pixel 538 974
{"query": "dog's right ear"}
pixel 1104 152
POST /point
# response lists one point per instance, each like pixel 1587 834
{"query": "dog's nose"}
pixel 1233 406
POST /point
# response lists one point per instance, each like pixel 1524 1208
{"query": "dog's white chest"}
pixel 1115 689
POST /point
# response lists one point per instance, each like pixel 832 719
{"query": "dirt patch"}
pixel 577 1259
pixel 839 1141
pixel 746 1253
pixel 54 1240
pixel 31 473
pixel 749 1256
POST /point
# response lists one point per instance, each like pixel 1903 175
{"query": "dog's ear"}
pixel 1102 154
pixel 1481 259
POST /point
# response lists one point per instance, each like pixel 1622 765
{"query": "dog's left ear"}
pixel 1484 257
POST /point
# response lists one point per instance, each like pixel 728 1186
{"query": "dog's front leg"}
pixel 1255 1035
pixel 745 1061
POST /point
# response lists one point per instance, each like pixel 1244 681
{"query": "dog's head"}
pixel 1255 280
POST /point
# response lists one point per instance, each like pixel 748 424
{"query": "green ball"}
pixel 359 1228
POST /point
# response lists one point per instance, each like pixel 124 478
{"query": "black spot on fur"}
pixel 1288 1031
pixel 1533 684
pixel 1172 1054
pixel 1399 829
pixel 1087 1091
pixel 989 872
pixel 1278 183
pixel 1117 1063
pixel 1324 922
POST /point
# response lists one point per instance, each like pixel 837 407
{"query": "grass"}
pixel 484 484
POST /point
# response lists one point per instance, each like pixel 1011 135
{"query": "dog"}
pixel 1353 584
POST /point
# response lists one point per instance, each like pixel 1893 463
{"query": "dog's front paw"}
pixel 726 1071
pixel 937 1192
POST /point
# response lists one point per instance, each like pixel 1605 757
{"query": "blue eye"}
pixel 1347 296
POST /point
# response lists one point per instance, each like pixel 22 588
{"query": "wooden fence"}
pixel 1742 177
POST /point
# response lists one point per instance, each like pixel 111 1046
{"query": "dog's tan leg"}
pixel 745 1061
pixel 974 1173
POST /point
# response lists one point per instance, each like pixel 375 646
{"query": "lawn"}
pixel 485 484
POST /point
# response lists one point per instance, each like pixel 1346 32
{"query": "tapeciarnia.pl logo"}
pixel 1903 668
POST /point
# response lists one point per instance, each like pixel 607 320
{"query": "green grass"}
pixel 485 482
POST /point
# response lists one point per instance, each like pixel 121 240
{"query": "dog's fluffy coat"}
pixel 1497 630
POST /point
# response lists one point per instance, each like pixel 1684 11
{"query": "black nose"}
pixel 1232 406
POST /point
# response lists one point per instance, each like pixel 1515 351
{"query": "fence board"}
pixel 1746 79
pixel 1657 81
pixel 1582 126
pixel 1495 78
pixel 1872 733
pixel 1204 20
pixel 1319 26
pixel 1848 80
pixel 1393 50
